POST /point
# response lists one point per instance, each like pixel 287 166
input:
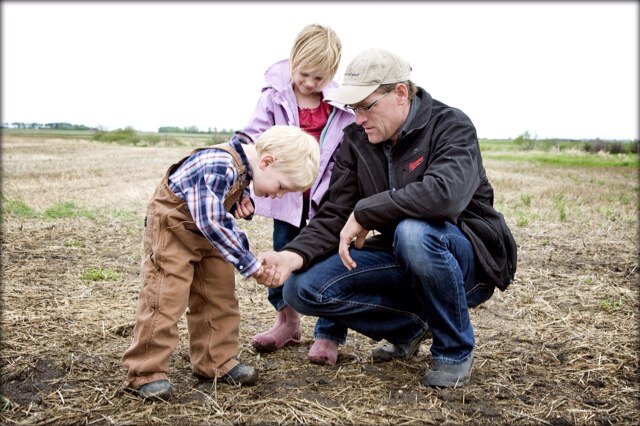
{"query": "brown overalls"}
pixel 181 269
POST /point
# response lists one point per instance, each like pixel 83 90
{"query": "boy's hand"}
pixel 244 208
pixel 268 275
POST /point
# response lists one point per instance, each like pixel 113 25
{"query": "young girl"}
pixel 294 96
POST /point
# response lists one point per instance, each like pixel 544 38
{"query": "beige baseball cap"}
pixel 367 72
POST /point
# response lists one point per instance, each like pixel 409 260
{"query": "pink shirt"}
pixel 313 120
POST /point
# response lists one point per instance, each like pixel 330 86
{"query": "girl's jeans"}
pixel 284 233
pixel 428 281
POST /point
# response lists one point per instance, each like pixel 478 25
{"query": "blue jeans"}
pixel 428 281
pixel 283 233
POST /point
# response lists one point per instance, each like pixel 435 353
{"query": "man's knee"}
pixel 415 239
pixel 292 293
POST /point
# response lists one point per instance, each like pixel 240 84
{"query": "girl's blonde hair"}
pixel 297 153
pixel 316 47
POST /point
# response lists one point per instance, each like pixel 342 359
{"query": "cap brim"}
pixel 349 95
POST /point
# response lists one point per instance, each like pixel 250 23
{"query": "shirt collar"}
pixel 415 105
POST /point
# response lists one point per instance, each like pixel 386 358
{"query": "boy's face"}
pixel 268 181
pixel 309 81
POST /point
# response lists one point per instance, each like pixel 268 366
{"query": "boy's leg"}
pixel 214 317
pixel 161 301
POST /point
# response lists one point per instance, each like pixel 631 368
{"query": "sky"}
pixel 553 69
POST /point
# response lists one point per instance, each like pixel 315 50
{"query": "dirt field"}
pixel 560 346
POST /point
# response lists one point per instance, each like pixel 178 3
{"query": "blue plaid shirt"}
pixel 203 181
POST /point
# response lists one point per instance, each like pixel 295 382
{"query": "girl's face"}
pixel 309 82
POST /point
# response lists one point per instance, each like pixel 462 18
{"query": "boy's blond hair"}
pixel 297 153
pixel 317 48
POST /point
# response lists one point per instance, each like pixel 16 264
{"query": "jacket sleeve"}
pixel 447 186
pixel 262 117
pixel 322 234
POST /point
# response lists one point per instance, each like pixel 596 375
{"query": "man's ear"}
pixel 402 92
pixel 266 160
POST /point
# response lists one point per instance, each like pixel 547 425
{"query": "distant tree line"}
pixel 56 126
pixel 69 126
pixel 126 136
pixel 192 129
pixel 527 142
pixel 130 136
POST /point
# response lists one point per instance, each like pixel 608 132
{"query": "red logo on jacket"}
pixel 415 163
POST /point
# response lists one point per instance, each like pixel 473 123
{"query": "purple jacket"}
pixel 277 105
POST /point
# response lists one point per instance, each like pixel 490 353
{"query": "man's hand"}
pixel 244 208
pixel 268 275
pixel 350 231
pixel 278 267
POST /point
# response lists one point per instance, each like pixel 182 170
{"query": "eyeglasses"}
pixel 362 109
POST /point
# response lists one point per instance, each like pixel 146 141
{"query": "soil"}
pixel 559 346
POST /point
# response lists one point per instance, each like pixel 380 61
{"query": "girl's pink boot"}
pixel 286 331
pixel 324 352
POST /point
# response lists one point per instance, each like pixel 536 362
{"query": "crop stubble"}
pixel 558 347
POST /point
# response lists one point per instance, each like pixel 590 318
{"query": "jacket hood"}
pixel 278 77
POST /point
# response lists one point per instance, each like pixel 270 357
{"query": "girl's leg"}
pixel 287 329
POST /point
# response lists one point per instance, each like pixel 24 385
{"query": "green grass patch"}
pixel 611 304
pixel 99 274
pixel 561 205
pixel 522 221
pixel 60 210
pixel 51 133
pixel 17 208
pixel 528 142
pixel 624 199
pixel 128 136
pixel 521 212
pixel 67 209
pixel 125 215
pixel 526 200
pixel 73 243
pixel 567 159
pixel 488 145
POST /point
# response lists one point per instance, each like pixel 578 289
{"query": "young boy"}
pixel 192 244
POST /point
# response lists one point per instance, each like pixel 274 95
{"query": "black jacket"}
pixel 439 176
